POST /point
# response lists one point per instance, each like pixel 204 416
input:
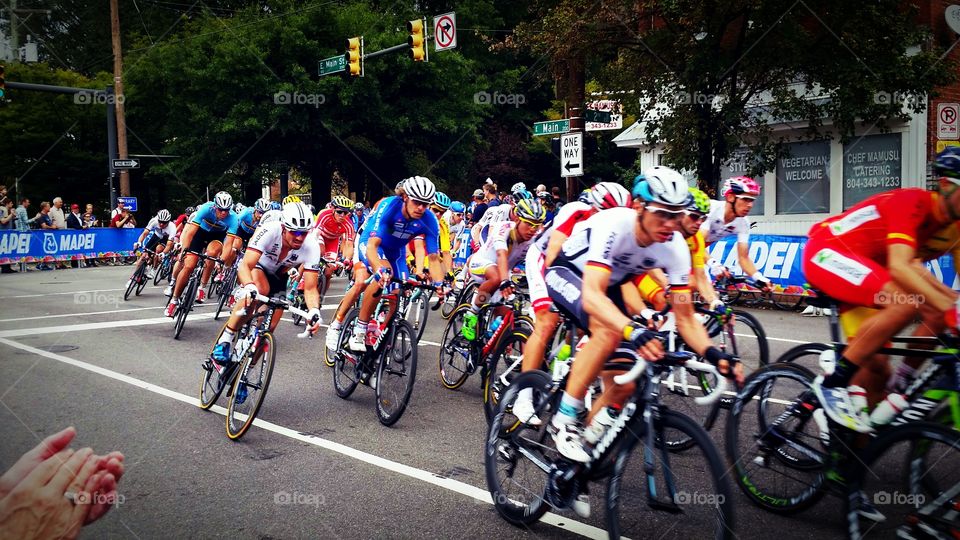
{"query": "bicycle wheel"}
pixel 707 509
pixel 133 281
pixel 211 383
pixel 449 305
pixel 806 355
pixel 504 367
pixel 298 303
pixel 186 304
pixel 250 385
pixel 396 373
pixel 516 482
pixel 455 352
pixel 417 314
pixel 778 450
pixel 346 373
pixel 224 298
pixel 748 342
pixel 908 476
pixel 141 278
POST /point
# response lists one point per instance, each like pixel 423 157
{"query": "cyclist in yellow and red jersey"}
pixel 334 230
pixel 867 257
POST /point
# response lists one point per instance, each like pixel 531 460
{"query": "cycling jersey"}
pixel 268 241
pixel 206 218
pixel 161 233
pixel 244 224
pixel 568 216
pixel 846 255
pixel 463 250
pixel 395 231
pixel 329 229
pixel 714 228
pixel 444 240
pixel 649 288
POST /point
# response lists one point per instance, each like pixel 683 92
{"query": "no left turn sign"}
pixel 445 31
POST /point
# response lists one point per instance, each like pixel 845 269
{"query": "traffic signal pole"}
pixel 118 88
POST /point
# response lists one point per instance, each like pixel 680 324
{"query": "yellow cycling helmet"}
pixel 291 199
pixel 342 202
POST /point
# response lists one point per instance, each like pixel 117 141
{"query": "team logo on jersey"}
pixel 841 266
pixel 854 220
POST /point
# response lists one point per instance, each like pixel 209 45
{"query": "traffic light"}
pixel 355 56
pixel 3 83
pixel 417 40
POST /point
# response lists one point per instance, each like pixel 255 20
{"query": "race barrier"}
pixel 66 245
pixel 779 258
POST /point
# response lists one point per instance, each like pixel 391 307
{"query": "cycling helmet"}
pixel 189 210
pixel 342 202
pixel 262 205
pixel 271 215
pixel 608 195
pixel 699 202
pixel 358 206
pixel 519 186
pixel 458 207
pixel 522 194
pixel 441 200
pixel 291 199
pixel 297 217
pixel 223 201
pixel 163 215
pixel 419 188
pixel 274 205
pixel 637 181
pixel 948 163
pixel 530 210
pixel 238 207
pixel 665 186
pixel 739 185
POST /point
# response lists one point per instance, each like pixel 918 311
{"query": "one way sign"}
pixel 571 154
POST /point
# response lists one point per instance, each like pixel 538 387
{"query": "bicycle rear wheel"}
pixel 455 350
pixel 778 450
pixel 250 386
pixel 748 342
pixel 346 373
pixel 709 512
pixel 907 475
pixel 504 367
pixel 396 373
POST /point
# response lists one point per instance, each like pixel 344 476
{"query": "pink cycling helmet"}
pixel 738 185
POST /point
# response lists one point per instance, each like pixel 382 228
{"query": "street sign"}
pixel 601 117
pixel 947 121
pixel 126 164
pixel 552 127
pixel 610 111
pixel 130 203
pixel 571 154
pixel 334 64
pixel 445 31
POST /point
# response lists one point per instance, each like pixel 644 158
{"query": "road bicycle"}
pixel 165 269
pixel 189 295
pixel 388 364
pixel 138 280
pixel 226 285
pixel 247 375
pixel 526 475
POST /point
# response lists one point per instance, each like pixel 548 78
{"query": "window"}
pixel 871 165
pixel 803 179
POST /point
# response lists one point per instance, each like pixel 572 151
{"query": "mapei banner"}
pixel 58 245
pixel 779 258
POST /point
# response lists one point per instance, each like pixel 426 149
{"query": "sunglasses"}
pixel 342 212
pixel 696 216
pixel 298 234
pixel 665 214
pixel 419 204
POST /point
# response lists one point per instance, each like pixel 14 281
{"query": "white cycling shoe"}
pixel 569 441
pixel 524 410
pixel 333 338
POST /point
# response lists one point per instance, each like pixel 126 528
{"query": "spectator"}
pixel 541 188
pixel 3 195
pixel 121 218
pixel 7 217
pixel 557 201
pixel 89 218
pixel 43 219
pixel 23 221
pixel 57 215
pixel 52 491
pixel 117 211
pixel 479 206
pixel 75 221
pixel 132 222
pixel 490 195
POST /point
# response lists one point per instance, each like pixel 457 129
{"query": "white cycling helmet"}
pixel 262 205
pixel 239 207
pixel 666 186
pixel 271 215
pixel 519 186
pixel 297 217
pixel 420 189
pixel 223 201
pixel 163 215
pixel 609 195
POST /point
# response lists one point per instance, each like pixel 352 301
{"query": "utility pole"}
pixel 14 42
pixel 118 93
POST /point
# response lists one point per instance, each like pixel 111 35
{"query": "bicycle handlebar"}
pixel 685 360
pixel 283 304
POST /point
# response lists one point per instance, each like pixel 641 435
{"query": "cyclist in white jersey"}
pixel 729 217
pixel 591 281
pixel 156 236
pixel 275 248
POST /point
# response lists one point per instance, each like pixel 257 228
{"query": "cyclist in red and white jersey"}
pixel 334 230
pixel 729 217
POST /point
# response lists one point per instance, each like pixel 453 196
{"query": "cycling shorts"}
pixel 243 235
pixel 832 267
pixel 539 297
pixel 151 243
pixel 202 238
pixel 278 283
pixel 565 287
pixel 396 258
pixel 477 268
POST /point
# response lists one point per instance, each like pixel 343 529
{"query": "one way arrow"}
pixel 571 165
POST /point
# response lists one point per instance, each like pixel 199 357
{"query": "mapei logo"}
pixel 50 244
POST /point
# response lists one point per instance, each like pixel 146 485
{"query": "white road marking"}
pixel 53 293
pixel 562 522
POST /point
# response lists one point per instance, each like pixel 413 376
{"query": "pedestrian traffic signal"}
pixel 355 56
pixel 417 40
pixel 3 83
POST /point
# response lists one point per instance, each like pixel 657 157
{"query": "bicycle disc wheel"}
pixel 396 373
pixel 211 383
pixel 909 476
pixel 778 450
pixel 454 352
pixel 708 507
pixel 516 483
pixel 345 368
pixel 250 386
pixel 505 365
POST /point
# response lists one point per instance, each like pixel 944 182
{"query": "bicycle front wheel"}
pixel 417 314
pixel 250 386
pixel 396 373
pixel 346 374
pixel 212 382
pixel 748 341
pixel 186 304
pixel 132 283
pixel 677 481
pixel 455 352
pixel 505 365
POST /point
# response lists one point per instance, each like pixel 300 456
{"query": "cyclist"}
pixel 334 230
pixel 237 237
pixel 541 255
pixel 729 217
pixel 592 281
pixel 505 246
pixel 416 256
pixel 865 258
pixel 652 284
pixel 274 248
pixel 357 217
pixel 157 235
pixel 389 229
pixel 290 199
pixel 496 214
pixel 205 231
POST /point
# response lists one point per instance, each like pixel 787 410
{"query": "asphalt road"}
pixel 72 352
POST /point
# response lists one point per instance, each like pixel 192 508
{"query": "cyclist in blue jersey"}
pixel 205 232
pixel 238 236
pixel 382 247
